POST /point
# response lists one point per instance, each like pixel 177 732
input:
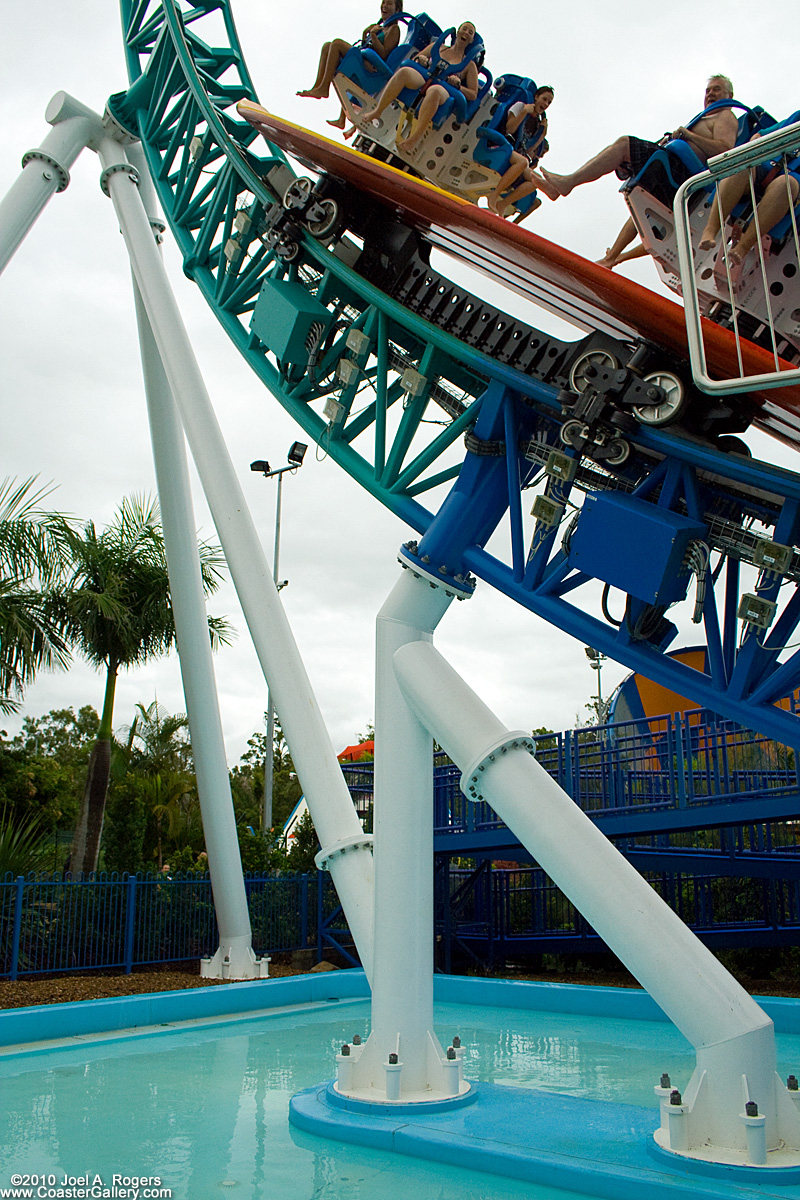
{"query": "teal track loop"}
pixel 393 390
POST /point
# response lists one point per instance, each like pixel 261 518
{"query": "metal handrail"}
pixel 768 147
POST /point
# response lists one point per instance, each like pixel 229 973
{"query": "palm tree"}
pixel 116 612
pixel 31 558
pixel 162 756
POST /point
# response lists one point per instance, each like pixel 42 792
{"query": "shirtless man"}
pixel 627 155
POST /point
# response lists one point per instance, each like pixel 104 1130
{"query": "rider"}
pixel 375 37
pixel 627 155
pixel 773 192
pixel 526 126
pixel 433 93
pixel 710 135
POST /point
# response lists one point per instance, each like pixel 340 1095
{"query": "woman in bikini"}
pixel 433 93
pixel 379 37
pixel 526 124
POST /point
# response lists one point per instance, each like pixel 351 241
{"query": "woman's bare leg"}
pixel 517 164
pixel 332 54
pixel 519 193
pixel 772 206
pixel 431 101
pixel 623 239
pixel 405 77
pixel 340 121
pixel 323 58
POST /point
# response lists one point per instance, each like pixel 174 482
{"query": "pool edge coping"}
pixel 46 1022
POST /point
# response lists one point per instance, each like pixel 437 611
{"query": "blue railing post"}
pixel 130 923
pixel 568 784
pixel 304 910
pixel 17 926
pixel 687 793
pixel 679 779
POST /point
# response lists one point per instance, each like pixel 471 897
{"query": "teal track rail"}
pixel 408 389
pixel 214 191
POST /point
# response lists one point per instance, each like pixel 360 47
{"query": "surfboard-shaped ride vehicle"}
pixel 631 370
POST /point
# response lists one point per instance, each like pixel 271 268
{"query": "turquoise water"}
pixel 205 1108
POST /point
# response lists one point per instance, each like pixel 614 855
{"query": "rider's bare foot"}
pixel 608 260
pixel 734 269
pixel 339 123
pixel 492 201
pixel 313 93
pixel 408 146
pixel 708 240
pixel 552 185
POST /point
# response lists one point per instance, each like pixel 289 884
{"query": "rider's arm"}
pixel 517 114
pixel 391 38
pixel 722 137
pixel 423 57
pixel 469 84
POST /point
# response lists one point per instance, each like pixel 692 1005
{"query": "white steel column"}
pixel 346 848
pixel 733 1036
pixel 234 957
pixel 45 170
pixel 402 984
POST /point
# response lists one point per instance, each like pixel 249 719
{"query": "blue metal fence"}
pixel 677 763
pixel 496 914
pixel 50 925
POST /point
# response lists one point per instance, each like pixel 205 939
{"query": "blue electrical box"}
pixel 635 546
pixel 288 320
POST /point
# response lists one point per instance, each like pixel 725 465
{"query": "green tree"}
pixel 31 558
pixel 152 810
pixel 247 781
pixel 305 846
pixel 42 771
pixel 115 609
pixel 25 845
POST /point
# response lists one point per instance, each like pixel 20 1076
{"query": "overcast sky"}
pixel 72 402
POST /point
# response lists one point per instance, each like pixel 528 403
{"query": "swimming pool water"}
pixel 205 1107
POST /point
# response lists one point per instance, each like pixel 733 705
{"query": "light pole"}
pixel 295 459
pixel 596 660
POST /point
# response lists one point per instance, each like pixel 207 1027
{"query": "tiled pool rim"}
pixel 47 1022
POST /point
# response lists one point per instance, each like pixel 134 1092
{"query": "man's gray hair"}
pixel 723 79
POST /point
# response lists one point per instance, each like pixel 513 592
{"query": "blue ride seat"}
pixel 675 162
pixel 494 148
pixel 436 73
pixel 369 72
pixel 743 209
pixel 458 106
